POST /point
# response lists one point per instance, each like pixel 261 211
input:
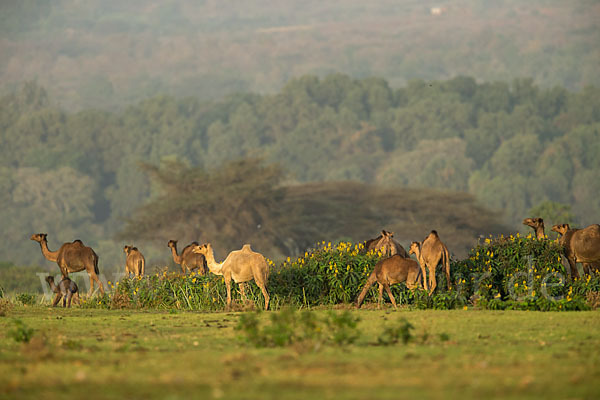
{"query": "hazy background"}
pixel 494 101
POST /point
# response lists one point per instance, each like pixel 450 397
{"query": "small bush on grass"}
pixel 401 331
pixel 21 333
pixel 27 299
pixel 288 327
pixel 6 307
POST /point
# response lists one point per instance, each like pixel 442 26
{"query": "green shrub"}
pixel 27 299
pixel 289 326
pixel 21 333
pixel 393 334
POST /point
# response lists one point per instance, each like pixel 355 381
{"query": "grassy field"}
pixel 157 354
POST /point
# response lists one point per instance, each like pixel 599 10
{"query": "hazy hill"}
pixel 96 53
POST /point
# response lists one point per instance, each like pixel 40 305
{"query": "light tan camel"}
pixel 72 257
pixel 66 289
pixel 580 245
pixel 389 271
pixel 241 266
pixel 430 253
pixel 386 244
pixel 538 226
pixel 135 263
pixel 188 259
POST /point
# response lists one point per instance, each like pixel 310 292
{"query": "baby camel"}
pixel 430 253
pixel 66 289
pixel 389 271
pixel 135 263
pixel 538 226
pixel 241 266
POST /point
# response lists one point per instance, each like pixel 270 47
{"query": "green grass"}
pixel 157 354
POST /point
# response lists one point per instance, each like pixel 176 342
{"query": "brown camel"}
pixel 241 266
pixel 386 244
pixel 72 257
pixel 580 245
pixel 66 289
pixel 389 271
pixel 538 226
pixel 135 263
pixel 188 259
pixel 430 253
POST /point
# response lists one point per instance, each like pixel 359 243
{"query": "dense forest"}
pixel 91 174
pixel 99 54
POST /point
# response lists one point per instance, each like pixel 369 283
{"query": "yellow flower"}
pixel 465 308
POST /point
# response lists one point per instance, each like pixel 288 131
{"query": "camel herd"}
pixel 244 265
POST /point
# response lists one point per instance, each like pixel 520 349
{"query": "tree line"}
pixel 511 145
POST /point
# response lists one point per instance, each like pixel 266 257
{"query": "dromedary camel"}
pixel 66 289
pixel 538 226
pixel 135 263
pixel 580 245
pixel 188 259
pixel 389 271
pixel 430 253
pixel 241 266
pixel 72 257
pixel 386 243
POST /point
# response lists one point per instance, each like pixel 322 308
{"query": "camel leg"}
pixel 242 286
pixel 432 280
pixel 389 292
pixel 424 275
pixel 380 298
pixel 448 276
pixel 56 299
pixel 573 265
pixel 263 289
pixel 68 299
pixel 228 285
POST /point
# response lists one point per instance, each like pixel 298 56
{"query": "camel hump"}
pixel 246 247
pixel 434 233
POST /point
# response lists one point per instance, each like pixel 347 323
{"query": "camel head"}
pixel 172 243
pixel 39 237
pixel 386 243
pixel 50 280
pixel 561 229
pixel 414 248
pixel 127 249
pixel 203 249
pixel 533 222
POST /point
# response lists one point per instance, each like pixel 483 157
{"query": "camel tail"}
pixel 370 281
pixel 96 270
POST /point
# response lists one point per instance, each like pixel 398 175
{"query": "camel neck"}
pixel 176 257
pixel 213 266
pixel 53 287
pixel 49 255
pixel 539 232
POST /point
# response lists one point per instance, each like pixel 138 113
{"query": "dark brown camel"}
pixel 188 259
pixel 389 271
pixel 538 226
pixel 580 245
pixel 135 263
pixel 72 257
pixel 386 244
pixel 66 289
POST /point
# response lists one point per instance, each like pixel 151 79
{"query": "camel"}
pixel 72 257
pixel 135 263
pixel 188 259
pixel 389 271
pixel 386 243
pixel 241 266
pixel 66 289
pixel 580 245
pixel 538 226
pixel 430 253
